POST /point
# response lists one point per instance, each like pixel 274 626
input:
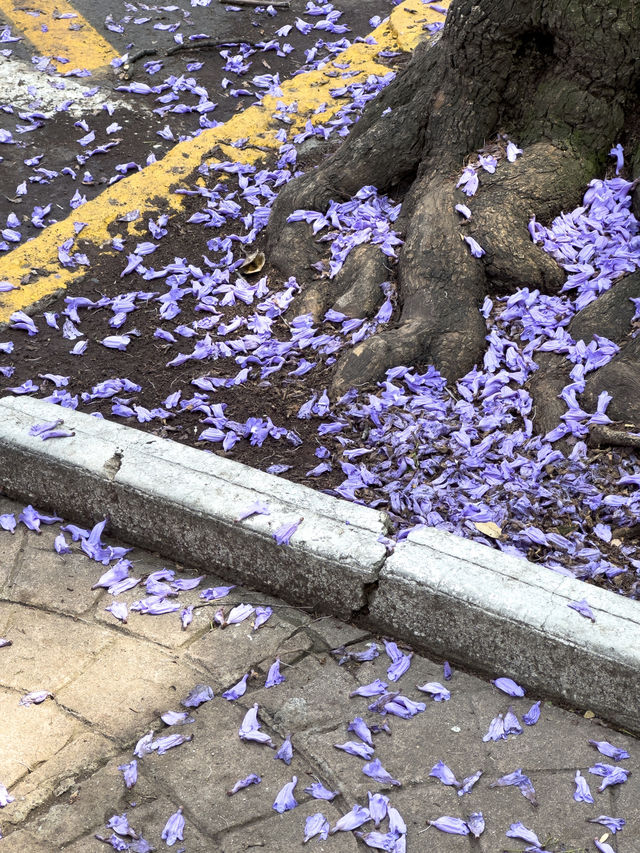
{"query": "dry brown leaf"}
pixel 488 528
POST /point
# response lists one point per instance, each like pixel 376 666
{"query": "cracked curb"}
pixel 451 597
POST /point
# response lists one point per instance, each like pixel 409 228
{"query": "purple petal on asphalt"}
pixel 582 793
pixel 164 744
pixel 174 829
pixel 508 686
pixel 376 771
pixel 608 749
pixel 123 586
pixel 439 693
pixel 114 575
pixel 251 779
pixel 583 609
pixel 5 797
pixel 319 792
pixel 611 775
pixel 200 693
pixel 237 691
pixel 119 610
pixel 446 671
pixel 603 847
pixel 284 533
pixel 8 521
pixel 522 782
pixel 398 668
pixel 361 729
pixel 186 617
pixel 378 806
pixel 285 753
pixel 36 697
pixel 250 728
pixel 444 774
pixel 213 593
pixel 256 508
pixel 316 824
pixel 452 825
pixel 496 730
pixel 378 840
pixel 352 747
pixel 143 747
pixel 32 519
pixel 130 773
pixel 613 824
pixel 239 613
pixel 469 782
pixel 533 714
pixel 285 800
pixel 520 831
pixel 187 583
pixel 76 532
pixel 475 822
pixel 352 820
pixel 375 688
pixel 262 615
pixel 176 718
pixel 274 677
pixel 60 545
pixel 511 724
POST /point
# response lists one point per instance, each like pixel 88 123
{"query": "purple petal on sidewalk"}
pixel 8 522
pixel 520 831
pixel 475 822
pixel 610 775
pixel 452 825
pixel 5 797
pixel 285 800
pixel 285 753
pixel 130 773
pixel 176 718
pixel 213 593
pixel 582 608
pixel 353 747
pixel 378 806
pixel 511 724
pixel 274 677
pixel 238 614
pixel 468 783
pixel 284 533
pixel 518 779
pixel 36 697
pixel 164 744
pixel 496 730
pixel 200 693
pixel 361 729
pixel 352 820
pixel 435 689
pixel 119 610
pixel 174 829
pixel 375 688
pixel 444 774
pixel 608 749
pixel 237 691
pixel 60 545
pixel 316 824
pixel 186 617
pixel 319 792
pixel 251 779
pixel 446 671
pixel 257 508
pixel 262 615
pixel 613 824
pixel 376 771
pixel 187 583
pixel 582 793
pixel 143 747
pixel 533 714
pixel 508 686
pixel 603 847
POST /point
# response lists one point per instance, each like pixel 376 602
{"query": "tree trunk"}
pixel 559 77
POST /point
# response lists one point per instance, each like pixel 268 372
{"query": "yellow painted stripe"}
pixel 34 266
pixel 50 35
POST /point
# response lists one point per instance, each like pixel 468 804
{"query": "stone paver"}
pixel 112 681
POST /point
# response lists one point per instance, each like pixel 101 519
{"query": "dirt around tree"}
pixel 560 77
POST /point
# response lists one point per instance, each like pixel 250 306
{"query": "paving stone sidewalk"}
pixel 111 681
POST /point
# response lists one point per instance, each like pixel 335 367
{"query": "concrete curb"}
pixel 455 598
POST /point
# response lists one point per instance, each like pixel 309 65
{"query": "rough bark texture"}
pixel 559 76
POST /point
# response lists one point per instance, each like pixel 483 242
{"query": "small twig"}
pixel 278 4
pixel 613 437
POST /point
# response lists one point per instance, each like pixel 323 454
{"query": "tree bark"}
pixel 561 78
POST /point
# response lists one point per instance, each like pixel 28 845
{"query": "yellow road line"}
pixel 34 266
pixel 52 34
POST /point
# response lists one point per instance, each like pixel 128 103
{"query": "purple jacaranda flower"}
pixel 520 831
pixel 36 697
pixel 375 688
pixel 174 829
pixel 143 746
pixel 379 840
pixel 285 800
pixel 476 249
pixel 238 614
pixel 4 642
pixel 608 749
pixel 176 718
pixel 582 793
pixel 468 181
pixel 262 615
pixel 164 744
pixel 32 519
pixel 512 152
pixel 258 507
pixel 511 724
pixel 583 609
pixel 5 797
pixel 435 689
pixel 316 824
pixel 319 792
pixel 402 706
pixel 352 747
pixel 76 532
pixel 444 774
pixel 378 705
pixel 186 617
pixel 123 586
pixel 274 677
pixel 251 779
pixel 344 655
pixel 60 545
pixel 603 847
pixel 378 805
pixel 8 522
pixel 613 824
pixel 361 729
pixel 611 775
pixel 376 771
pixel 237 690
pixel 129 772
pixel 618 152
pixel 284 533
pixel 508 686
pixel 117 573
pixel 521 781
pixel 182 584
pixel 446 671
pixel 463 210
pixel 452 825
pixel 115 842
pixel 285 753
pixel 119 610
pixel 200 693
pixel 496 730
pixel 475 822
pixel 351 820
pixel 533 714
pixel 213 593
pixel 250 728
pixel 120 824
pixel 469 782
